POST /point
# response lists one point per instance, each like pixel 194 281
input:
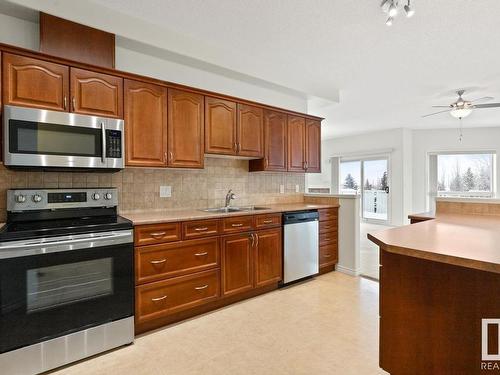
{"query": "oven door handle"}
pixel 16 249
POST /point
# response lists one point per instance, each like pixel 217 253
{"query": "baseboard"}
pixel 348 271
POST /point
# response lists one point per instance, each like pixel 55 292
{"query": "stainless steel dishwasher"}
pixel 301 245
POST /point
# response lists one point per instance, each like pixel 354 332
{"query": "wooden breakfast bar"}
pixel 439 279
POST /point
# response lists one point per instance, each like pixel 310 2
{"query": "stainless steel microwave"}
pixel 39 138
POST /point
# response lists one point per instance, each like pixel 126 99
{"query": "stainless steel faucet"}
pixel 230 195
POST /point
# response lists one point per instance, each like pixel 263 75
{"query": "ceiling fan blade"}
pixel 483 99
pixel 441 106
pixel 436 113
pixel 487 105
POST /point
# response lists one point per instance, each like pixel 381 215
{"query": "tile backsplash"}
pixel 139 188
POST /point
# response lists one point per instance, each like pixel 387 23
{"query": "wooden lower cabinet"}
pixel 237 263
pixel 268 257
pixel 161 298
pixel 183 269
pixel 157 262
pixel 328 239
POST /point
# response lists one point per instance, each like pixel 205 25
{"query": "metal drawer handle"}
pixel 157 234
pixel 201 287
pixel 268 221
pixel 158 261
pixel 237 225
pixel 327 255
pixel 201 229
pixel 201 254
pixel 159 298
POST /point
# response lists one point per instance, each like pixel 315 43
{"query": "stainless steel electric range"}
pixel 66 278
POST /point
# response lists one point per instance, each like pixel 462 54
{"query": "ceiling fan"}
pixel 462 108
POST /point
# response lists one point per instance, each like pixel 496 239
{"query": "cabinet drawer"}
pixel 200 228
pixel 237 224
pixel 327 214
pixel 267 221
pixel 328 254
pixel 328 238
pixel 156 233
pixel 155 300
pixel 158 262
pixel 328 226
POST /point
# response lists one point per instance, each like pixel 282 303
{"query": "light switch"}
pixel 297 188
pixel 165 191
pixel 282 189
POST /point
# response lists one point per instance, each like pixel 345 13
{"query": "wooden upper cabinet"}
pixel 275 128
pixel 145 124
pixel 296 143
pixel 268 257
pixel 313 146
pixel 220 126
pixel 185 129
pixel 237 264
pixel 35 83
pixel 250 131
pixel 96 93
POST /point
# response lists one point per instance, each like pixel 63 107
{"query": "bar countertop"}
pixel 471 241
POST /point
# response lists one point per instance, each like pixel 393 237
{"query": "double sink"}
pixel 235 209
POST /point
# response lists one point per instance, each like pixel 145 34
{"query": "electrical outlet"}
pixel 282 189
pixel 297 188
pixel 165 191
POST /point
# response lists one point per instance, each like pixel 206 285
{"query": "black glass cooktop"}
pixel 62 227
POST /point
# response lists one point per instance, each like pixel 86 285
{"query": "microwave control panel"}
pixel 113 144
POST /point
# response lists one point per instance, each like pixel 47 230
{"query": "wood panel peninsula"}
pixel 439 283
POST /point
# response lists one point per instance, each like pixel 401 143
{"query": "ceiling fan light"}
pixel 409 11
pixel 389 21
pixel 460 112
pixel 393 10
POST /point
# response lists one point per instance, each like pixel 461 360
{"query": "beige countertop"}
pixel 165 216
pixel 471 241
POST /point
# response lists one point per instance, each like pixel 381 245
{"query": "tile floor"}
pixel 369 252
pixel 328 325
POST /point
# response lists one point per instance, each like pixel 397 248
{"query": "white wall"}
pixel 398 141
pixel 18 32
pixel 425 141
pixel 134 57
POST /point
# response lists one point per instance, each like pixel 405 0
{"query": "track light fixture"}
pixel 391 8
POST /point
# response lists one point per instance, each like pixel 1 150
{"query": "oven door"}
pixel 56 286
pixel 51 139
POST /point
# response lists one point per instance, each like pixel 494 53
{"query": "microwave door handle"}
pixel 103 135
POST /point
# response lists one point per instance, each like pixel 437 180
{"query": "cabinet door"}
pixel 96 93
pixel 250 131
pixel 275 141
pixel 268 257
pixel 313 146
pixel 237 264
pixel 220 126
pixel 296 143
pixel 146 124
pixel 35 83
pixel 185 129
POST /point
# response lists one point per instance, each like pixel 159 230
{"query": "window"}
pixel 350 177
pixel 468 174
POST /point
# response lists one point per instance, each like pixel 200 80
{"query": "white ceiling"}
pixel 383 77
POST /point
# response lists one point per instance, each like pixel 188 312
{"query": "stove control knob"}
pixel 37 198
pixel 96 196
pixel 20 198
pixel 108 196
